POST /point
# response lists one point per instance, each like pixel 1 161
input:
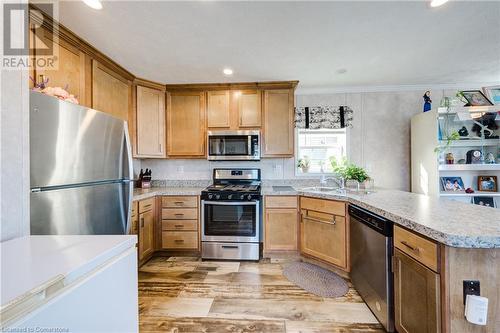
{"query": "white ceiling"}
pixel 377 43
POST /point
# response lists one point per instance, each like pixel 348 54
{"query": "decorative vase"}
pixel 305 169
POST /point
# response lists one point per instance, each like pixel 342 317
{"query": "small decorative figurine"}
pixel 474 157
pixel 489 159
pixel 463 131
pixel 450 159
pixel 427 101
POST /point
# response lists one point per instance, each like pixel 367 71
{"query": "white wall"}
pixel 379 140
pixel 14 151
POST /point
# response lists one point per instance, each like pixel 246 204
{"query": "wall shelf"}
pixel 469 167
pixel 471 143
pixel 476 194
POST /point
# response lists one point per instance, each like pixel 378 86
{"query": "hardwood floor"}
pixel 187 295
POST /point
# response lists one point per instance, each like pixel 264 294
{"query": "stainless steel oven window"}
pixel 230 221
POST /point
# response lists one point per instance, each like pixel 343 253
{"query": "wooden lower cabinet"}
pixel 416 296
pixel 180 223
pixel 146 233
pixel 280 224
pixel 324 235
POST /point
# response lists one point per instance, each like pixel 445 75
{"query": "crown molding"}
pixel 391 88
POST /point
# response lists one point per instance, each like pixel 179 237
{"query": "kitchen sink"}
pixel 323 189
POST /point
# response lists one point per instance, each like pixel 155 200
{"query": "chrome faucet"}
pixel 338 181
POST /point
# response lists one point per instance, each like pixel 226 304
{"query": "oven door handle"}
pixel 232 203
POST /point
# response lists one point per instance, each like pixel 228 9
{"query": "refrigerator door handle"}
pixel 128 178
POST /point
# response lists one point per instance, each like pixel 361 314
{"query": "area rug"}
pixel 316 280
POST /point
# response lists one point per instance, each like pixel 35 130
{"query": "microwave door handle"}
pixel 250 153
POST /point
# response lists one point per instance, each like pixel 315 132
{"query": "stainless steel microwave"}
pixel 234 145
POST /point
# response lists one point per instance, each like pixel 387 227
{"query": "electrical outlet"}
pixel 180 169
pixel 471 287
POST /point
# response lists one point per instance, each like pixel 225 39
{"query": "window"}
pixel 317 146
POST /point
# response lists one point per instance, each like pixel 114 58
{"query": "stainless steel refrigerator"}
pixel 81 170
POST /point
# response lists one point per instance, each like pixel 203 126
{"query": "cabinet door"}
pixel 416 296
pixel 110 92
pixel 146 227
pixel 186 124
pixel 324 239
pixel 278 123
pixel 248 104
pixel 218 109
pixel 280 230
pixel 70 73
pixel 150 122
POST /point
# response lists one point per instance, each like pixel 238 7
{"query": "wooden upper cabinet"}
pixel 186 124
pixel 70 71
pixel 278 131
pixel 150 122
pixel 110 92
pixel 218 109
pixel 248 107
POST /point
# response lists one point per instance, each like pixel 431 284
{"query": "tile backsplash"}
pixel 273 168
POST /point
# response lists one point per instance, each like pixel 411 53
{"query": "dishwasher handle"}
pixel 377 223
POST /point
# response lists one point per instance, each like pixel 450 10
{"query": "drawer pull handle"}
pixel 415 249
pixel 179 202
pixel 230 246
pixel 179 240
pixel 179 214
pixel 179 226
pixel 305 217
pixel 147 206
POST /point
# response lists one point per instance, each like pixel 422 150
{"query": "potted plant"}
pixel 350 172
pixel 304 164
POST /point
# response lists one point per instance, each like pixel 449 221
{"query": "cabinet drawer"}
pixel 146 204
pixel 179 239
pixel 179 214
pixel 417 247
pixel 324 206
pixel 179 202
pixel 191 225
pixel 281 201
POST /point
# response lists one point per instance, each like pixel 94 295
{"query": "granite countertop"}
pixel 452 223
pixel 141 194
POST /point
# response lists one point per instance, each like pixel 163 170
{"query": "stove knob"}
pixel 249 197
pixel 210 196
pixel 217 196
pixel 229 197
pixel 242 197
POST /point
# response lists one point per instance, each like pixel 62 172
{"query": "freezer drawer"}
pixel 100 209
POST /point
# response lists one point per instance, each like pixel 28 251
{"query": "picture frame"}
pixel 452 184
pixel 484 201
pixel 476 98
pixel 487 183
pixel 493 94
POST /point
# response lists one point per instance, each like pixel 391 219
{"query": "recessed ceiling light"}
pixel 95 4
pixel 227 71
pixel 341 71
pixel 437 3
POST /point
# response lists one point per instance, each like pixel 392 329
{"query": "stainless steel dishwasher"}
pixel 371 254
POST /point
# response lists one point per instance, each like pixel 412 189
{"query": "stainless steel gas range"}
pixel 230 215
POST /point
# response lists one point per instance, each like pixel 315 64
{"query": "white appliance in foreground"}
pixel 69 284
